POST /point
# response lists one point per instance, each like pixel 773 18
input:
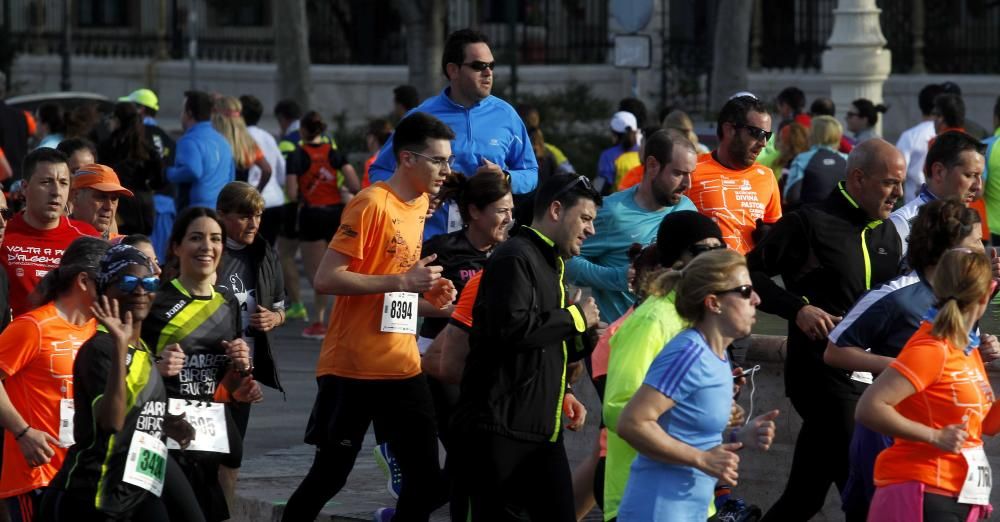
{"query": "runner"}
pixel 621 157
pixel 227 119
pixel 816 172
pixel 204 159
pixel 273 191
pixel 677 417
pixel 935 400
pixel 524 331
pixel 202 320
pixel 35 239
pixel 145 245
pixel 79 152
pixel 878 326
pixel 95 192
pixel 728 186
pixel 321 180
pixel 36 365
pixel 369 368
pixel 119 464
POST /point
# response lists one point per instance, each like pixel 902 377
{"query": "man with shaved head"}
pixel 828 255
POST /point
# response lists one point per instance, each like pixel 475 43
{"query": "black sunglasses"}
pixel 6 213
pixel 697 249
pixel 129 283
pixel 577 181
pixel 756 133
pixel 745 291
pixel 479 66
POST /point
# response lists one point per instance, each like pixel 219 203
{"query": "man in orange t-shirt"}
pixel 369 366
pixel 728 185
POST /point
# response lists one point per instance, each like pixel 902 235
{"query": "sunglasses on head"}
pixel 129 283
pixel 745 291
pixel 756 133
pixel 697 249
pixel 479 66
pixel 584 180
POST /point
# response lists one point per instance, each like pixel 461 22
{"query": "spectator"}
pixel 204 158
pixel 79 152
pixel 816 172
pixel 913 142
pixel 404 99
pixel 274 198
pixel 131 153
pixel 96 192
pixel 480 122
pixel 227 119
pixel 862 116
pixel 615 161
pixel 729 186
pixel 50 125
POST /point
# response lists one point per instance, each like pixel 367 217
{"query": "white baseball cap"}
pixel 622 121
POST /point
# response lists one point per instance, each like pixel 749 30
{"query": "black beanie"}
pixel 679 230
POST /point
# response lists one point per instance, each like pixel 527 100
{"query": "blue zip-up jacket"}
pixel 603 261
pixel 205 160
pixel 490 129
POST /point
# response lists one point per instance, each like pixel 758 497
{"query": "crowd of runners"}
pixel 143 278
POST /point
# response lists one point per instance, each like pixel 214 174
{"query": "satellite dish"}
pixel 632 15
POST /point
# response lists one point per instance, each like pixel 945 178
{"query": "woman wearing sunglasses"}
pixel 204 320
pixel 121 410
pixel 677 417
pixel 935 400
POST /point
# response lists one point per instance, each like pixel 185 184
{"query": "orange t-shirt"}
pixel 37 352
pixel 631 178
pixel 365 180
pixel 735 199
pixel 950 387
pixel 463 308
pixel 382 235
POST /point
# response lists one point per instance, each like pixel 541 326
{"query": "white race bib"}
pixel 66 411
pixel 979 478
pixel 209 422
pixel 455 221
pixel 399 313
pixel 146 464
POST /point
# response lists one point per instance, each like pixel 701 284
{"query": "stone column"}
pixel 857 62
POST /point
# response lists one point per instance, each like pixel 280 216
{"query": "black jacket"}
pixel 523 335
pixel 828 254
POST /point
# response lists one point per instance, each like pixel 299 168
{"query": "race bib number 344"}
pixel 399 313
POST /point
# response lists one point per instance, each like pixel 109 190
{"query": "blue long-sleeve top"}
pixel 490 129
pixel 205 160
pixel 603 261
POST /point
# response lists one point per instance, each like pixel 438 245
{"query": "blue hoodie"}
pixel 205 160
pixel 490 129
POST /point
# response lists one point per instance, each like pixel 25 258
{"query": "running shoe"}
pixel 390 466
pixel 737 510
pixel 384 515
pixel 297 311
pixel 315 331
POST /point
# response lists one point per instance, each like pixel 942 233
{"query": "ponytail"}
pixel 479 190
pixel 961 279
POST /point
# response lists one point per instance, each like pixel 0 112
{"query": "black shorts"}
pixel 270 224
pixel 319 223
pixel 289 221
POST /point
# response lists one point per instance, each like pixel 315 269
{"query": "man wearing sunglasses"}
pixel 828 255
pixel 633 216
pixel 35 239
pixel 728 185
pixel 489 135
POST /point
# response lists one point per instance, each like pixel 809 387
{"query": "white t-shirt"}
pixel 274 195
pixel 913 143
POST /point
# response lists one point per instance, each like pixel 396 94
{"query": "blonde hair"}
pixel 226 119
pixel 706 274
pixel 681 122
pixel 961 279
pixel 240 197
pixel 825 130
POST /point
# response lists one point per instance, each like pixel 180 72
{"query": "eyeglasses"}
pixel 129 283
pixel 745 291
pixel 697 249
pixel 479 66
pixel 6 213
pixel 756 133
pixel 438 162
pixel 569 186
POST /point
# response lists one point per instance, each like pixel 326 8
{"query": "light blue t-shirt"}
pixel 603 261
pixel 701 385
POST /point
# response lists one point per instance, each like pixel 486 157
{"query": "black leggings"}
pixel 500 475
pixel 939 508
pixel 821 457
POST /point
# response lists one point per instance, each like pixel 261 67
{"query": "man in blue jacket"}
pixel 489 135
pixel 204 158
pixel 631 216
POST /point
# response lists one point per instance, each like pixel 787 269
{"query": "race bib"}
pixel 66 412
pixel 209 422
pixel 146 464
pixel 399 313
pixel 455 221
pixel 979 478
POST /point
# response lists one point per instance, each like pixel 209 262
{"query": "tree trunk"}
pixel 291 51
pixel 423 22
pixel 732 40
